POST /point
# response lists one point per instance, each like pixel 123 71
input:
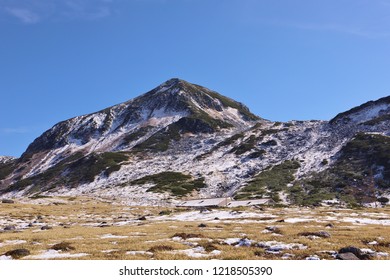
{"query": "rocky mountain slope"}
pixel 182 140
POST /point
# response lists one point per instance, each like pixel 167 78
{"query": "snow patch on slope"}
pixel 369 113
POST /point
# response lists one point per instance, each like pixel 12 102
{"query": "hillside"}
pixel 182 140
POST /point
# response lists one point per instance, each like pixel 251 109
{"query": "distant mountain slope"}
pixel 372 112
pixel 182 140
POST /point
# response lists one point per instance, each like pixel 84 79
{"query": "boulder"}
pixel 356 251
pixel 103 225
pixel 322 234
pixel 9 228
pixel 347 257
pixel 46 227
pixel 18 253
pixel 63 246
pixel 244 242
pixel 9 201
pixel 274 229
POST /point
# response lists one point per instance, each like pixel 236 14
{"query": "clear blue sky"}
pixel 285 59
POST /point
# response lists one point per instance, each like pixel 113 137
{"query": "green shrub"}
pixel 245 146
pixel 273 180
pixel 73 171
pixel 176 183
pixel 136 135
pixel 6 169
pixel 229 141
pixel 257 154
pixel 378 120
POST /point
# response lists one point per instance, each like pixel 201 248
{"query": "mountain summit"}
pixel 182 140
pixel 174 105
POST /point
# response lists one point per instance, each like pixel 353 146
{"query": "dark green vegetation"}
pixel 158 142
pixel 270 181
pixel 226 102
pixel 270 143
pixel 229 141
pixel 6 169
pixel 176 183
pixel 361 172
pixel 161 140
pixel 209 124
pixel 73 171
pixel 141 132
pixel 245 146
pixel 87 168
pixel 242 147
pixel 378 120
pixel 310 196
pixel 272 131
pixel 257 154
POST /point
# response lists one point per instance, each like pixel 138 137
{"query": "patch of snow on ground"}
pixel 273 246
pixel 109 235
pixel 12 242
pixel 231 241
pixel 238 242
pixel 366 221
pixel 53 254
pixel 287 256
pixel 299 220
pixel 110 251
pixel 133 253
pixel 197 252
pixel 382 254
pixel 313 258
pixel 209 216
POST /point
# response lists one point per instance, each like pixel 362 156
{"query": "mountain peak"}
pixel 179 95
pixel 175 86
pixel 175 105
pixel 174 81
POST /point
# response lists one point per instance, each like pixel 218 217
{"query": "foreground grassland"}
pixel 83 228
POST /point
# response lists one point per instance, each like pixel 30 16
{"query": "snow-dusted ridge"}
pixel 5 159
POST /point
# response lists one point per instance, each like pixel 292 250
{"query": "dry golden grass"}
pixel 83 222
